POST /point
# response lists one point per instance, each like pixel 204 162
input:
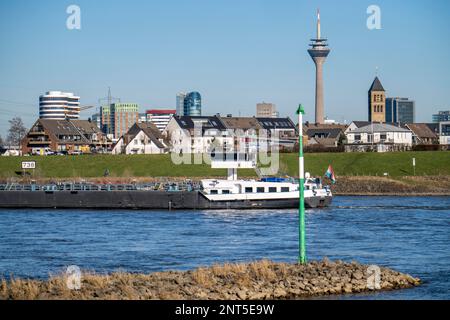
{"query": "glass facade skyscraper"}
pixel 193 104
pixel 441 116
pixel 400 110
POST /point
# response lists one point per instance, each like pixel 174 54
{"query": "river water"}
pixel 410 234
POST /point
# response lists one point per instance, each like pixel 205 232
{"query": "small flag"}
pixel 330 174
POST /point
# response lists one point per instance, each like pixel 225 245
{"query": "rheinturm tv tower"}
pixel 319 52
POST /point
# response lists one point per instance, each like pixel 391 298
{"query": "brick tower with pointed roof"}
pixel 377 102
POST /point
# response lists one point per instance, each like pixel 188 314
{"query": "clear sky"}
pixel 236 53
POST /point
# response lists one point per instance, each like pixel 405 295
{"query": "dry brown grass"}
pixel 263 270
pixel 217 282
pixel 202 276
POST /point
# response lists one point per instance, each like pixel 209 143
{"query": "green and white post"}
pixel 301 172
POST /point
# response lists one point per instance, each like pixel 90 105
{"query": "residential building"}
pixel 379 137
pixel 444 132
pixel 282 128
pixel 160 117
pixel 64 136
pixel 359 124
pixel 118 118
pixel 142 138
pixel 198 134
pixel 441 116
pixel 422 134
pixel 246 130
pixel 325 137
pixel 58 105
pixel 180 103
pixel 400 110
pixel 266 110
pixel 377 102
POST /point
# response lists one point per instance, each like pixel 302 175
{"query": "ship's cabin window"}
pixel 248 190
pixel 214 192
pixel 284 189
pixel 272 189
pixel 225 191
pixel 260 190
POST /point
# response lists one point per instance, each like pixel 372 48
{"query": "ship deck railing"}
pixel 154 186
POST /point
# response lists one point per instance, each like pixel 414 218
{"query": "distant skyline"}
pixel 235 53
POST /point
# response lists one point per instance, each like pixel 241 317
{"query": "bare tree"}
pixel 1 141
pixel 16 131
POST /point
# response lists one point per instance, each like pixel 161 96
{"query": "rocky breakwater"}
pixel 254 281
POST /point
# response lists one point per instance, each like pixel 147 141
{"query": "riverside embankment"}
pixel 252 281
pixel 345 186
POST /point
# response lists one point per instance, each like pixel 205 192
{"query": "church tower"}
pixel 377 102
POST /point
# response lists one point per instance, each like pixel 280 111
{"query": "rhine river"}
pixel 411 235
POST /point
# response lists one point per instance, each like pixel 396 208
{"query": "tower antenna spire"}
pixel 318 24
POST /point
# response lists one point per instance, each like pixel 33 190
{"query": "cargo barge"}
pixel 210 194
pixel 233 193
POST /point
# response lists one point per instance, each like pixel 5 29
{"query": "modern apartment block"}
pixel 377 102
pixel 400 110
pixel 160 117
pixel 441 116
pixel 118 118
pixel 58 105
pixel 266 110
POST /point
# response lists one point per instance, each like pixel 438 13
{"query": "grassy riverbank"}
pixel 127 166
pixel 253 281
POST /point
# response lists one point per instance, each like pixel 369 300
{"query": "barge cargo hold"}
pixel 212 194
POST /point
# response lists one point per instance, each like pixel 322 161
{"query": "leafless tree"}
pixel 16 131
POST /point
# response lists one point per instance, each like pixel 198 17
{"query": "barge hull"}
pixel 157 200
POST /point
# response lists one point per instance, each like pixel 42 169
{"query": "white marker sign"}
pixel 28 164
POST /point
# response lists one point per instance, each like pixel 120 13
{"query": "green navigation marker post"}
pixel 301 172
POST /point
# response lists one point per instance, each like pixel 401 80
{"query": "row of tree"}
pixel 16 132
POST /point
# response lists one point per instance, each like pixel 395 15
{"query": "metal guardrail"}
pixel 155 186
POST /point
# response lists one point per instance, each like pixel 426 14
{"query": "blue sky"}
pixel 235 53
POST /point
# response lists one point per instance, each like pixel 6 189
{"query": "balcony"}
pixel 38 142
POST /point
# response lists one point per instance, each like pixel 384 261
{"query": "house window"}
pixel 248 190
pixel 272 189
pixel 284 189
pixel 225 191
pixel 260 190
pixel 357 137
pixel 214 192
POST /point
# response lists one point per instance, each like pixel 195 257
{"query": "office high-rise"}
pixel 441 116
pixel 400 110
pixel 266 110
pixel 180 103
pixel 189 104
pixel 58 105
pixel 118 118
